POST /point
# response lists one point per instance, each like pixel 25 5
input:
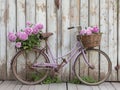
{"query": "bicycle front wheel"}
pixel 100 67
pixel 22 66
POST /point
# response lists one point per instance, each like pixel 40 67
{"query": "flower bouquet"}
pixel 90 37
pixel 28 37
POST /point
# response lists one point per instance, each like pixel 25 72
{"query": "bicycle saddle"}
pixel 46 35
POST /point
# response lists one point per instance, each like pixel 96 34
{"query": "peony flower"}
pixel 88 32
pixel 28 23
pixel 12 37
pixel 18 44
pixel 39 26
pixel 35 30
pixel 22 36
pixel 95 29
pixel 28 30
pixel 90 28
pixel 83 32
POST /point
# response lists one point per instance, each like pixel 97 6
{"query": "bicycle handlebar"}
pixel 78 26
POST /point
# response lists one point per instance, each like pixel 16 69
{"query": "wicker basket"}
pixel 90 40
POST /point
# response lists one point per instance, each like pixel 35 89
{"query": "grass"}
pixel 55 79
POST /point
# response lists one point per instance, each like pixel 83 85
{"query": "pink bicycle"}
pixel 33 66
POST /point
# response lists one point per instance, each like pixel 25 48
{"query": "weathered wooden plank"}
pixel 11 27
pixel 4 85
pixel 104 25
pixel 3 24
pixel 25 87
pixel 84 13
pixel 32 87
pixel 113 37
pixel 118 38
pixel 95 88
pixel 59 34
pixel 30 11
pixel 83 87
pixel 65 35
pixel 106 86
pixel 52 25
pixel 21 19
pixel 109 86
pixel 18 86
pixel 41 13
pixel 12 85
pixel 102 87
pixel 94 21
pixel 57 86
pixel 72 86
pixel 74 20
pixel 116 85
pixel 42 87
pixel 84 23
pixel 30 16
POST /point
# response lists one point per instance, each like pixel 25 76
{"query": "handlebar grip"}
pixel 71 27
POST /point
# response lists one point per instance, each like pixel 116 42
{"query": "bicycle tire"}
pixel 32 72
pixel 83 79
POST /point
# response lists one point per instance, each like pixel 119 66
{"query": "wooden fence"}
pixel 104 13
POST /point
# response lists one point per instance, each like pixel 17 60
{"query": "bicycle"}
pixel 32 67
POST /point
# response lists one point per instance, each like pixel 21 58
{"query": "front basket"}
pixel 90 40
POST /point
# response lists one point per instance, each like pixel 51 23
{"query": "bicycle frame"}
pixel 76 50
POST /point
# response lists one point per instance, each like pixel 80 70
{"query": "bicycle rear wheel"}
pixel 100 70
pixel 22 66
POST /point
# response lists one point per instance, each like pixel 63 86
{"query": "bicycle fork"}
pixel 86 60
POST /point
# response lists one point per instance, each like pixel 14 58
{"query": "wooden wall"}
pixel 104 13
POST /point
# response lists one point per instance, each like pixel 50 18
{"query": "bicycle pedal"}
pixel 64 60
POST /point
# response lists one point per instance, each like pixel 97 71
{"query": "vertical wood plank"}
pixel 3 24
pixel 21 19
pixel 84 23
pixel 94 21
pixel 65 35
pixel 52 25
pixel 74 20
pixel 59 35
pixel 118 38
pixel 41 13
pixel 84 13
pixel 104 26
pixel 11 27
pixel 30 11
pixel 113 37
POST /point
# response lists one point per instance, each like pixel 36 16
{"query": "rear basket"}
pixel 90 40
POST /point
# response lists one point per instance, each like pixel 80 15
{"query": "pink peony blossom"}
pixel 88 32
pixel 28 30
pixel 95 29
pixel 28 23
pixel 35 30
pixel 39 26
pixel 12 37
pixel 83 32
pixel 90 28
pixel 22 36
pixel 18 44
